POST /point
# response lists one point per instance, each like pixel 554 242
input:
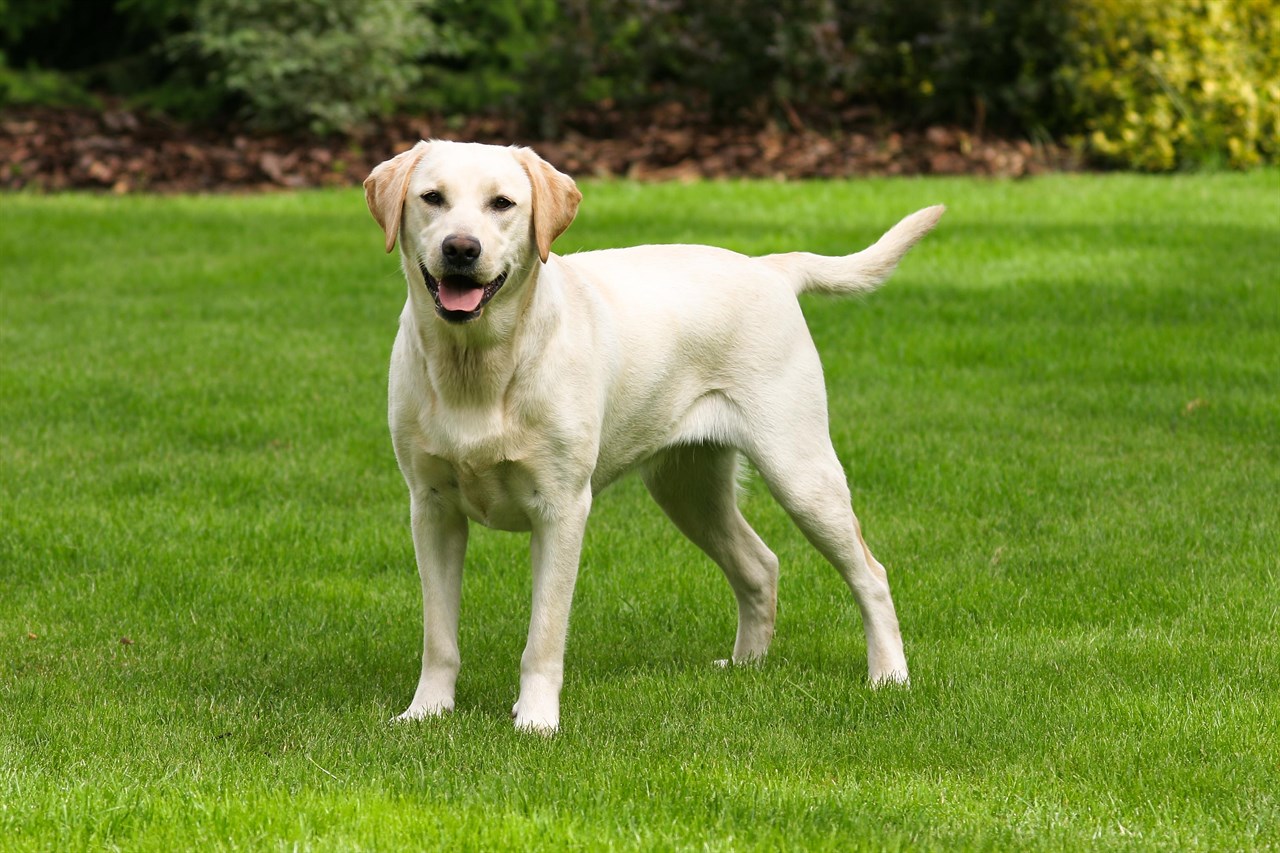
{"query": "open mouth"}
pixel 460 298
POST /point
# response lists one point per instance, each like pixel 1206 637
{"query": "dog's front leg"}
pixel 440 543
pixel 555 546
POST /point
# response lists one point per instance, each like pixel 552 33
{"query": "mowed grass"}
pixel 1061 421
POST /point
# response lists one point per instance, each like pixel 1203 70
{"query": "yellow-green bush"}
pixel 1175 83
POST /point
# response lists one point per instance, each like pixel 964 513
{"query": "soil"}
pixel 119 150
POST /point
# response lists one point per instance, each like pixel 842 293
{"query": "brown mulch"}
pixel 123 151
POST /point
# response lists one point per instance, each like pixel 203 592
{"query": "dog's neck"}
pixel 471 364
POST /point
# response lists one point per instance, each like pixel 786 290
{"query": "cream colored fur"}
pixel 669 361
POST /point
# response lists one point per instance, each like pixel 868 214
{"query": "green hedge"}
pixel 321 64
pixel 913 61
pixel 61 51
pixel 1174 84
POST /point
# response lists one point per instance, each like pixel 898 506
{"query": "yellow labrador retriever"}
pixel 523 383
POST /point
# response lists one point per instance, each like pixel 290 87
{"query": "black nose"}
pixel 460 249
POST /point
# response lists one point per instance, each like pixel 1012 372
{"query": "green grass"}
pixel 1061 421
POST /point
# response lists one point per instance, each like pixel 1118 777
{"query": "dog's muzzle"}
pixel 460 298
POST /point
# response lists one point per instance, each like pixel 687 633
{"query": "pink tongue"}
pixel 460 298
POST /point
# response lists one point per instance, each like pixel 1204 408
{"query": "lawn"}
pixel 1061 421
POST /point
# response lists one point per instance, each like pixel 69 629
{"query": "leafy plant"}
pixel 918 61
pixel 322 64
pixel 1159 86
pixel 39 86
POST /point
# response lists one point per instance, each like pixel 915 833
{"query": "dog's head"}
pixel 471 218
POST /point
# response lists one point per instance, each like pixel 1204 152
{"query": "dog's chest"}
pixel 499 495
pixel 483 467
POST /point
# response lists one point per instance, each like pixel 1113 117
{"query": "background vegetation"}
pixel 1157 86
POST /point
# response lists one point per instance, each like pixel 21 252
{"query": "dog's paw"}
pixel 891 678
pixel 752 660
pixel 545 728
pixel 423 710
pixel 545 722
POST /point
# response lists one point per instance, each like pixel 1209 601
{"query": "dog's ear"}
pixel 555 199
pixel 387 186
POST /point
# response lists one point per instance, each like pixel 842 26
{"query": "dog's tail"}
pixel 859 272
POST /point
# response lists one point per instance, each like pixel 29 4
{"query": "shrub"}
pixel 917 60
pixel 18 17
pixel 38 86
pixel 323 64
pixel 57 52
pixel 982 62
pixel 1141 84
pixel 1178 83
pixel 493 56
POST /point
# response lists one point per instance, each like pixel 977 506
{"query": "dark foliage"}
pixel 816 62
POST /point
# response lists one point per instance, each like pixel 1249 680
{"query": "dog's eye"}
pixel 503 203
pixel 432 198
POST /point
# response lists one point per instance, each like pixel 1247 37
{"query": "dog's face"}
pixel 467 219
pixel 472 219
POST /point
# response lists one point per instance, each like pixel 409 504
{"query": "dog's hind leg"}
pixel 696 487
pixel 799 465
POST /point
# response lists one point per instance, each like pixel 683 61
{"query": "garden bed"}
pixel 124 151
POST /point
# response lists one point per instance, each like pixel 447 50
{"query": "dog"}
pixel 523 383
